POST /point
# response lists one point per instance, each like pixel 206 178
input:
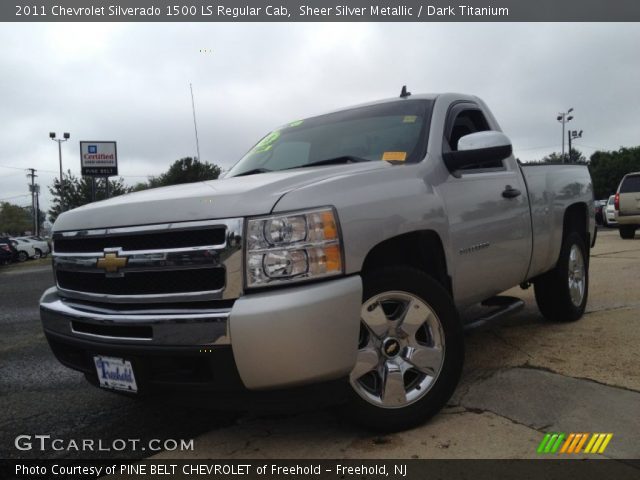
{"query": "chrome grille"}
pixel 176 262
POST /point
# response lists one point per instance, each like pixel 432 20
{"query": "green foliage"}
pixel 576 156
pixel 77 192
pixel 185 170
pixel 608 168
pixel 15 220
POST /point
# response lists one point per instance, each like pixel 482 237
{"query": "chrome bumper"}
pixel 177 327
pixel 285 337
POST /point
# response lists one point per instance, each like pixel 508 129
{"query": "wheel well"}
pixel 421 249
pixel 576 219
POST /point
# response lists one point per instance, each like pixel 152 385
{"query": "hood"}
pixel 223 198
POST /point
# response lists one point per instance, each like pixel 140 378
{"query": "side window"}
pixel 468 121
pixel 631 183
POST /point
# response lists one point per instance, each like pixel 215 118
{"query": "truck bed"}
pixel 552 188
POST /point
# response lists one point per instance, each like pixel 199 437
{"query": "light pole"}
pixel 66 136
pixel 564 117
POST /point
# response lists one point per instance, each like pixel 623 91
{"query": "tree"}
pixel 15 220
pixel 575 156
pixel 77 192
pixel 185 170
pixel 608 168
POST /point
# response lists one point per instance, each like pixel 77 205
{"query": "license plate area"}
pixel 115 373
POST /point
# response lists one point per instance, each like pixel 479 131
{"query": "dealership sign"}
pixel 98 159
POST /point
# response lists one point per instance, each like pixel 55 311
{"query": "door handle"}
pixel 510 192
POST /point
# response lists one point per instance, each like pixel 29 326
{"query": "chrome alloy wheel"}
pixel 576 275
pixel 400 352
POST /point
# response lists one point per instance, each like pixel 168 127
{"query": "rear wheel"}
pixel 410 351
pixel 37 253
pixel 22 256
pixel 627 232
pixel 561 294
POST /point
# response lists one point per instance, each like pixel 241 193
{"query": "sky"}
pixel 129 83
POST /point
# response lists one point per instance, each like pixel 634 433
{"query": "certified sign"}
pixel 98 159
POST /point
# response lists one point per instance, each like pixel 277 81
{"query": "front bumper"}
pixel 277 339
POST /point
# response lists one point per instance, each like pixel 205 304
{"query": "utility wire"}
pixel 15 196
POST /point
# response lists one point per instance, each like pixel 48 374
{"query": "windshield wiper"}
pixel 253 171
pixel 333 161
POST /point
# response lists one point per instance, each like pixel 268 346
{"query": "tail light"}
pixel 4 246
pixel 616 201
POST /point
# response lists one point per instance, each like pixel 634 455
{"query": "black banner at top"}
pixel 320 11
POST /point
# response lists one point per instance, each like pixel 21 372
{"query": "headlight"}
pixel 293 247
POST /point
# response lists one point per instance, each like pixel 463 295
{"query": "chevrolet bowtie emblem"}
pixel 111 262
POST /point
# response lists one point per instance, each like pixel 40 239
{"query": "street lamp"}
pixel 66 136
pixel 564 117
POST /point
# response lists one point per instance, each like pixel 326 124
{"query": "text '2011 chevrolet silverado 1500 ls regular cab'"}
pixel 338 253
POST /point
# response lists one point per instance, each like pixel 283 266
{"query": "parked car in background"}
pixel 40 246
pixel 26 250
pixel 599 208
pixel 610 212
pixel 8 253
pixel 627 205
pixel 42 239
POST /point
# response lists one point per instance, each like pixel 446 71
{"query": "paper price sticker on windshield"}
pixel 409 119
pixel 394 156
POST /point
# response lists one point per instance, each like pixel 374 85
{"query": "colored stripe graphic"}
pixel 574 442
pixel 550 443
pixel 543 443
pixel 598 442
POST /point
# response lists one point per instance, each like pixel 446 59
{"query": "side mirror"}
pixel 479 149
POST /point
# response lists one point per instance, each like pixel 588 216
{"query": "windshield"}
pixel 394 131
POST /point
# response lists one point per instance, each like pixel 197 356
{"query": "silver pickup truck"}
pixel 334 259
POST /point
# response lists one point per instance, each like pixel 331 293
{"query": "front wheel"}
pixel 22 256
pixel 561 294
pixel 410 352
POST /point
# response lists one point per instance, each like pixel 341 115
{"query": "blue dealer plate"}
pixel 115 373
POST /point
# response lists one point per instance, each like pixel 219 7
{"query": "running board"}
pixel 504 306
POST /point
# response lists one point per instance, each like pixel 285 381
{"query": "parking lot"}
pixel 521 380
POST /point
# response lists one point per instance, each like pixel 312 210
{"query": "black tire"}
pixel 417 284
pixel 37 253
pixel 627 232
pixel 23 256
pixel 552 291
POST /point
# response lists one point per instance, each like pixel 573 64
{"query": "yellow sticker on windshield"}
pixel 394 156
pixel 409 119
pixel 296 123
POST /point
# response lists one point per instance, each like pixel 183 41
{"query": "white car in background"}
pixel 25 249
pixel 610 212
pixel 41 246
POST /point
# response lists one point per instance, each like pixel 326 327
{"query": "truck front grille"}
pixel 143 240
pixel 143 283
pixel 177 262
